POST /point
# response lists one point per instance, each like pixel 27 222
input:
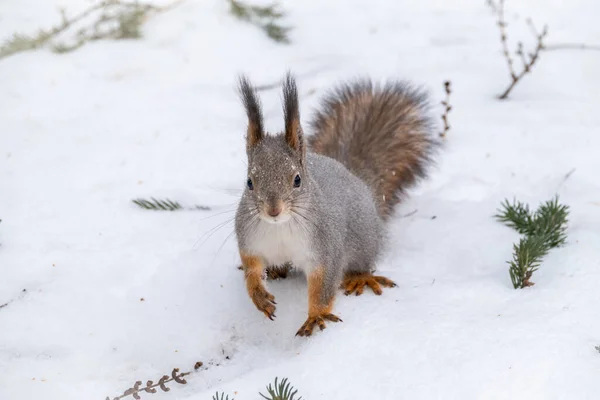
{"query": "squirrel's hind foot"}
pixel 356 282
pixel 278 272
pixel 307 328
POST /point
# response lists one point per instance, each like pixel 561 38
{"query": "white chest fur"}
pixel 281 243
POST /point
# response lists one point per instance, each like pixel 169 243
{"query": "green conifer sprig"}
pixel 222 396
pixel 282 391
pixel 543 230
pixel 264 17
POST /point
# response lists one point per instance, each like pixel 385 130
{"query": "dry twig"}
pixel 447 108
pixel 528 60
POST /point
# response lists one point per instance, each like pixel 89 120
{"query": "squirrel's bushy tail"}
pixel 381 134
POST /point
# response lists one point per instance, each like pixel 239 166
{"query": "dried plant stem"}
pixel 150 387
pixel 447 108
pixel 528 60
pixel 128 20
pixel 21 295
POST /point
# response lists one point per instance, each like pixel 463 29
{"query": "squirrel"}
pixel 321 203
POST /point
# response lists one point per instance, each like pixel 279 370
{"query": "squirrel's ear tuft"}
pixel 253 111
pixel 291 112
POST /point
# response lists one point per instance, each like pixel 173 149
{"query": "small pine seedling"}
pixel 543 230
pixel 281 391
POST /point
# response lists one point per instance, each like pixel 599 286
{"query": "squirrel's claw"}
pixel 307 328
pixel 264 301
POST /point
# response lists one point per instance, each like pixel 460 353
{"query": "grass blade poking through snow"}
pixel 281 391
pixel 543 230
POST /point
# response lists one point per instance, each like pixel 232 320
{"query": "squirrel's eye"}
pixel 250 184
pixel 297 181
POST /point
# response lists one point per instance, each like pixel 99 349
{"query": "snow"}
pixel 86 132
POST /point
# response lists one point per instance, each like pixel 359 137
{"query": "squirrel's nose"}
pixel 274 211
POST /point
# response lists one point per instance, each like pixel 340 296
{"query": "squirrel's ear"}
pixel 253 111
pixel 293 130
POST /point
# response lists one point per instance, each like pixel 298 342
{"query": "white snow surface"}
pixel 84 133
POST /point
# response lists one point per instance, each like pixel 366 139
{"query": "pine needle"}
pixel 165 205
pixel 543 230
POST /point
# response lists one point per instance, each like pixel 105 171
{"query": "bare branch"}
pixel 527 62
pixel 504 39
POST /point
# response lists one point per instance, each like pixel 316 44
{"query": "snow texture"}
pixel 84 133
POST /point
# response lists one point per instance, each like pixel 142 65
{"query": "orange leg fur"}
pixel 320 304
pixel 253 271
pixel 355 282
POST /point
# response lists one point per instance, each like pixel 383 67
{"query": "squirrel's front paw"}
pixel 264 301
pixel 309 325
